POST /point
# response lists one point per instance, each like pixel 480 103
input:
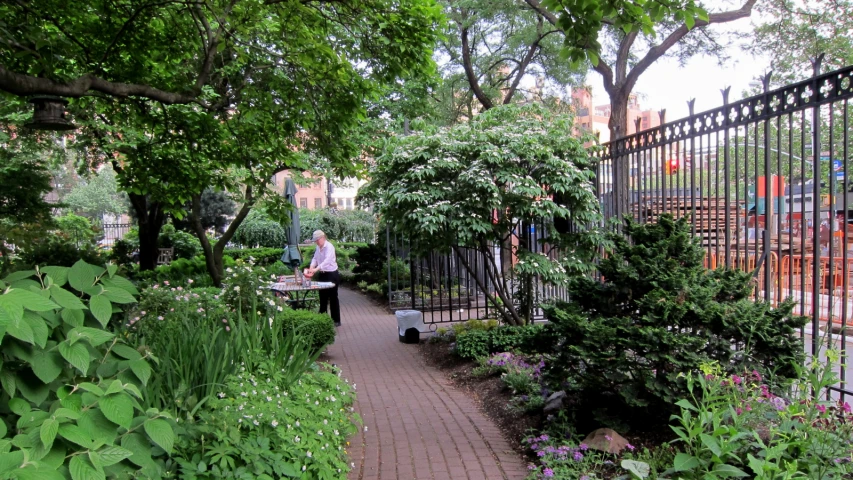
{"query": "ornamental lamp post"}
pixel 49 114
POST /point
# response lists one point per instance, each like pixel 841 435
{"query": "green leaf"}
pixel 14 277
pixel 112 269
pixel 48 431
pixel 126 352
pixel 58 274
pixel 160 433
pixel 65 298
pixel 75 318
pixel 685 404
pixel 118 409
pixel 3 430
pixel 81 276
pixel 141 369
pixel 75 434
pixel 726 470
pixel 8 381
pixel 42 472
pixel 711 443
pixel 19 406
pixel 120 283
pixel 113 454
pixel 11 461
pixel 91 388
pixel 38 327
pixel 640 469
pixel 12 319
pixel 82 469
pixel 29 300
pixel 119 295
pixel 94 336
pixel 54 458
pixel 96 424
pixel 140 447
pixel 115 387
pixel 101 308
pixel 77 355
pixel 47 365
pixel 684 462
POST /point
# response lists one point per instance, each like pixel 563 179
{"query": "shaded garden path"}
pixel 418 425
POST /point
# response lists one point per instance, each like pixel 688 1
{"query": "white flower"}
pixel 337 433
pixel 365 428
pixel 221 395
pixel 320 432
pixel 237 288
pixel 297 439
pixel 303 468
pixel 308 454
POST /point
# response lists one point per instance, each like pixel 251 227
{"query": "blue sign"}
pixel 838 166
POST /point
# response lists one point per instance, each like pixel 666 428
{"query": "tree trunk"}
pixel 151 218
pixel 618 126
pixel 213 254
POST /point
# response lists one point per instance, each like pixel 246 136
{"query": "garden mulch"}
pixel 418 424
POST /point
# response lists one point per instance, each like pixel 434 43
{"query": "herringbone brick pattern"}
pixel 418 426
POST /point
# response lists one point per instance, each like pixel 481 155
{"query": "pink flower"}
pixel 821 408
pixel 739 410
pixel 190 280
pixel 227 329
pixel 736 379
pixel 155 287
pixel 180 288
pixel 165 282
pixel 846 407
pixel 224 321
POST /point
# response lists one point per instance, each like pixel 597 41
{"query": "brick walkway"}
pixel 418 425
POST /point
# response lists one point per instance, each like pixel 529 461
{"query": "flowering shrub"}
pixel 561 460
pixel 260 427
pixel 245 285
pixel 518 374
pixel 736 424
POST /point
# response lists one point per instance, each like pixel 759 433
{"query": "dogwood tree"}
pixel 477 185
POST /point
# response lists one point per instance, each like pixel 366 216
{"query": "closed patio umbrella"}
pixel 291 254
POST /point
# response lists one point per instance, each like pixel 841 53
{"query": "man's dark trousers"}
pixel 329 296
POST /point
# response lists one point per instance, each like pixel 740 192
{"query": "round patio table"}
pixel 296 292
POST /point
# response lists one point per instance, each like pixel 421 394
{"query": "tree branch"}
pixel 522 66
pixel 469 71
pixel 535 5
pixel 622 56
pixel 660 50
pixel 23 85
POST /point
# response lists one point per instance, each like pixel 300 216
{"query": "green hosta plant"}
pixel 71 389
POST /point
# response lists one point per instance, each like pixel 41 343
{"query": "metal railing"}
pixel 765 181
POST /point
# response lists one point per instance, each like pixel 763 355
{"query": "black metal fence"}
pixel 765 180
pixel 452 287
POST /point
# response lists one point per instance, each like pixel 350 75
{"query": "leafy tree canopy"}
pixel 98 196
pixel 476 185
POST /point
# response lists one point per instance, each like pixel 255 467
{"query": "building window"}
pixel 349 204
pixel 318 203
pixel 303 202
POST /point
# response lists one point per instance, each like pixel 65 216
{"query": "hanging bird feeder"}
pixel 49 114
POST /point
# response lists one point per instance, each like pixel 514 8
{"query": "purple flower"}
pixel 578 456
pixel 584 447
pixel 540 453
pixel 629 447
pixel 544 438
pixel 548 472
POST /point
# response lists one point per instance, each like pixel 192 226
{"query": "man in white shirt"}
pixel 325 266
